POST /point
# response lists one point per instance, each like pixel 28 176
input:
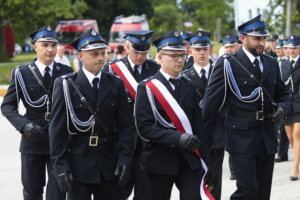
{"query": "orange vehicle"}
pixel 68 30
pixel 122 25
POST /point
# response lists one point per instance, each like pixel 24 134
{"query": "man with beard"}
pixel 33 84
pixel 248 85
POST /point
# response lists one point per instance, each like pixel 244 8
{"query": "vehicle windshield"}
pixel 67 37
pixel 117 37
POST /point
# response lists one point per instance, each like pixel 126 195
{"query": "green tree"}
pixel 105 11
pixel 206 13
pixel 26 16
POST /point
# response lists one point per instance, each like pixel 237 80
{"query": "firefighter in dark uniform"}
pixel 140 67
pixel 199 75
pixel 189 59
pixel 248 84
pixel 90 131
pixel 284 66
pixel 231 45
pixel 168 155
pixel 271 42
pixel 291 77
pixel 33 84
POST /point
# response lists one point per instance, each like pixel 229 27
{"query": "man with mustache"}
pixel 33 84
pixel 247 83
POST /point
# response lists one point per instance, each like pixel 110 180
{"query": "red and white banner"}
pixel 130 83
pixel 181 122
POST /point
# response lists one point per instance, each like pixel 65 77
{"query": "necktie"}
pixel 203 77
pixel 136 73
pixel 292 63
pixel 47 77
pixel 257 72
pixel 95 85
pixel 176 85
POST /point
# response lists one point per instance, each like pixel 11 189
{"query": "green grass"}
pixel 5 73
pixel 28 57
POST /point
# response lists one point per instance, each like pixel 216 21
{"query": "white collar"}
pixel 198 69
pixel 295 59
pixel 91 76
pixel 42 67
pixel 251 56
pixel 167 76
pixel 131 63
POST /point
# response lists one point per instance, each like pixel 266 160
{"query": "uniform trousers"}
pixel 216 173
pixel 187 181
pixel 138 181
pixel 106 190
pixel 33 176
pixel 253 176
pixel 283 145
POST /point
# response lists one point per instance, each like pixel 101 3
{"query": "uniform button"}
pixel 112 104
pixel 245 82
pixel 233 126
pixel 172 145
pixel 98 109
pixel 69 150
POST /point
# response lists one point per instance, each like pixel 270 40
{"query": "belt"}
pixel 257 115
pixel 95 140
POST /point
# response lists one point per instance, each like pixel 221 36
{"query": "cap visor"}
pixel 47 39
pixel 174 48
pixel 94 46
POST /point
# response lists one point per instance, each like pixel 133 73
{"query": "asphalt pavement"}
pixel 10 176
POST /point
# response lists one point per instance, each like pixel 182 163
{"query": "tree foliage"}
pixel 26 16
pixel 105 11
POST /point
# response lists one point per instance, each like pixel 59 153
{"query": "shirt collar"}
pixel 295 59
pixel 198 69
pixel 251 56
pixel 42 67
pixel 91 76
pixel 132 63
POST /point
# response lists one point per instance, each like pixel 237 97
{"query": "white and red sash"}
pixel 130 83
pixel 180 121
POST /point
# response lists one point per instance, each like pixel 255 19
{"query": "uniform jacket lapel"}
pixel 127 64
pixel 266 68
pixel 297 65
pixel 37 71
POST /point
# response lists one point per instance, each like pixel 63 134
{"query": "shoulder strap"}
pixel 39 80
pixel 255 79
pixel 83 100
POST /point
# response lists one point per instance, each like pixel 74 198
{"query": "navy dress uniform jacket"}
pixel 9 106
pixel 161 152
pixel 90 164
pixel 149 68
pixel 294 72
pixel 244 135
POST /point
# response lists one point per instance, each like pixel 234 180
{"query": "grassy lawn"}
pixel 24 57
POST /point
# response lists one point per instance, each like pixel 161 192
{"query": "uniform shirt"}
pixel 63 60
pixel 42 67
pixel 132 65
pixel 252 58
pixel 198 69
pixel 91 76
pixel 167 76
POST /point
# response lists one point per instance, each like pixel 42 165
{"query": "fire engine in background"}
pixel 9 39
pixel 69 30
pixel 122 25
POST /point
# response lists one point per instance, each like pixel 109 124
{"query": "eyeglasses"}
pixel 175 57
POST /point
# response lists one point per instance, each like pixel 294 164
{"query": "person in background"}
pixel 270 45
pixel 283 145
pixel 121 52
pixel 60 57
pixel 109 54
pixel 77 64
pixel 292 121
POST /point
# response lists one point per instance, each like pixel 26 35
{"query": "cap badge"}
pixel 93 33
pixel 227 36
pixel 143 38
pixel 292 37
pixel 48 28
pixel 176 34
pixel 199 34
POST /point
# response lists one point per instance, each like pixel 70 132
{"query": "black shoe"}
pixel 281 159
pixel 293 178
pixel 232 177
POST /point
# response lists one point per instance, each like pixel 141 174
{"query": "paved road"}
pixel 11 188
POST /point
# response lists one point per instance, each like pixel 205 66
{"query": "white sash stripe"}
pixel 127 75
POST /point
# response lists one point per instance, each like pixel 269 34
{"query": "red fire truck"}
pixel 122 25
pixel 68 30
